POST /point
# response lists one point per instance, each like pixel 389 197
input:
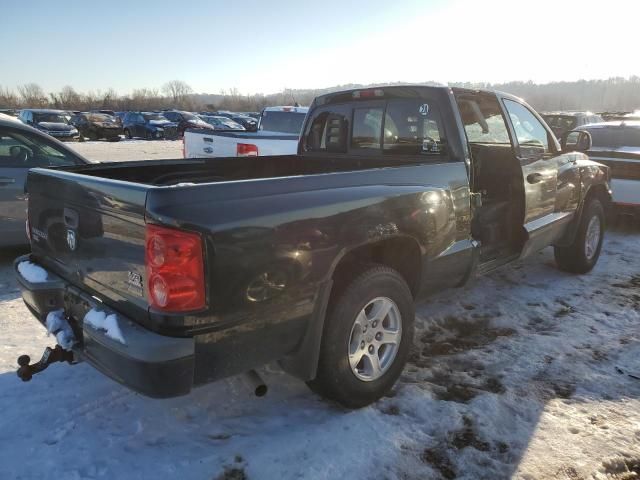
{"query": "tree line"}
pixel 613 94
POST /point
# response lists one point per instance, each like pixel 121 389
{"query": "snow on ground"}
pixel 123 150
pixel 530 373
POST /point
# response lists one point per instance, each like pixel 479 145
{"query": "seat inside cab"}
pixel 495 174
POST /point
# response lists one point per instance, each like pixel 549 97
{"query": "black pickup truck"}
pixel 172 274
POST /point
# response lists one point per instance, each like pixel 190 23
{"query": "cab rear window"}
pixel 396 127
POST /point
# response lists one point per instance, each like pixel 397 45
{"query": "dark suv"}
pixel 97 125
pixel 186 120
pixel 149 126
pixel 52 122
pixel 563 122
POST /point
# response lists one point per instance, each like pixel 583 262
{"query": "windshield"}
pixel 99 117
pixel 223 123
pixel 190 117
pixel 49 117
pixel 285 122
pixel 560 122
pixel 154 116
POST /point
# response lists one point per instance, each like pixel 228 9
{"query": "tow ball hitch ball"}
pixel 50 355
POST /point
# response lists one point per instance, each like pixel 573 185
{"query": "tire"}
pixel 127 133
pixel 581 256
pixel 336 379
pixel 93 135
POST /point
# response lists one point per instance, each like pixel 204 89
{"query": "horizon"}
pixel 295 47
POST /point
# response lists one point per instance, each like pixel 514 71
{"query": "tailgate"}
pixel 199 144
pixel 91 232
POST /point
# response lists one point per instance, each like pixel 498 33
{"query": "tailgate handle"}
pixel 70 218
pixel 208 139
pixel 207 150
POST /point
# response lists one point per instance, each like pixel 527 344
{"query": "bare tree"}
pixel 8 99
pixel 178 92
pixel 32 95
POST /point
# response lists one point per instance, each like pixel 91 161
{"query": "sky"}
pixel 267 46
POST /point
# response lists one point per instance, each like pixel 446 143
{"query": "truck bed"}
pixel 198 171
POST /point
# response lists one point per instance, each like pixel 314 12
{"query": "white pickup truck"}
pixel 278 133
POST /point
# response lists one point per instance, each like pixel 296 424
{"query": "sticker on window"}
pixel 424 109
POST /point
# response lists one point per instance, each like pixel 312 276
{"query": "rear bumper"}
pixel 149 363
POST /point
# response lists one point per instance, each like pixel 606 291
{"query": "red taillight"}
pixel 368 93
pixel 175 269
pixel 246 150
pixel 184 153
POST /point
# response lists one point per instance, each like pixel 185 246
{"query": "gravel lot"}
pixel 129 150
pixel 530 373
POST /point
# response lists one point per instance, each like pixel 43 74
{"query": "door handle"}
pixel 7 181
pixel 534 178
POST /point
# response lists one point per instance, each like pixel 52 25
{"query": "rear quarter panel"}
pixel 272 244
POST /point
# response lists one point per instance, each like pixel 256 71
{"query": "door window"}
pixel 482 119
pixel 532 137
pixel 21 149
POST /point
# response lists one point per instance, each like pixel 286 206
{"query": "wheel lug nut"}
pixel 375 323
pixel 370 348
pixel 378 336
pixel 362 344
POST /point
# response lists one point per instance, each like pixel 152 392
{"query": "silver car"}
pixel 21 148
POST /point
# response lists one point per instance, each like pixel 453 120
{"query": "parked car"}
pixel 254 115
pixel 617 144
pixel 224 113
pixel 51 122
pixel 186 120
pixel 218 266
pixel 563 122
pixel 222 123
pixel 23 147
pixel 150 126
pixel 266 141
pixel 282 119
pixel 250 124
pixel 97 125
pixel 111 113
pixel 120 117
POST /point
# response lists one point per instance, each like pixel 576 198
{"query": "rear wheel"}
pixel 367 336
pixel 582 255
pixel 127 133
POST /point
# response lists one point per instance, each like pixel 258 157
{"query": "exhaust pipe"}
pixel 255 382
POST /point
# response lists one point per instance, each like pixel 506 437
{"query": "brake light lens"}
pixel 184 153
pixel 246 150
pixel 175 269
pixel 371 93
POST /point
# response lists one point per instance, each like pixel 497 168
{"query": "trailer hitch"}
pixel 50 355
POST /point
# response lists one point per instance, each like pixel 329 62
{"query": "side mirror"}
pixel 576 140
